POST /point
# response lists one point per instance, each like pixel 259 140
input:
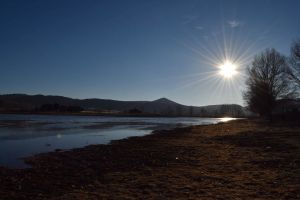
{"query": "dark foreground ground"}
pixel 236 160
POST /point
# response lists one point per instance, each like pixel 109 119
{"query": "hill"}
pixel 162 106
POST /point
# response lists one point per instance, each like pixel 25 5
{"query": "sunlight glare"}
pixel 226 119
pixel 228 69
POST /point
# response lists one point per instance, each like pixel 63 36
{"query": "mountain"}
pixel 162 106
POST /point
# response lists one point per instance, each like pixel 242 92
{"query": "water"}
pixel 25 135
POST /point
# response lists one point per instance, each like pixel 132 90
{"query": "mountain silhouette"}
pixel 162 106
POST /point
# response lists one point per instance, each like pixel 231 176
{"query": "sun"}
pixel 228 69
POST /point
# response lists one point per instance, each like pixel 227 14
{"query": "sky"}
pixel 139 50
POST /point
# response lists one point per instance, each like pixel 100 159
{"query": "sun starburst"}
pixel 228 69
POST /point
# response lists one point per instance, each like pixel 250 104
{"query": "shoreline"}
pixel 237 159
pixel 108 115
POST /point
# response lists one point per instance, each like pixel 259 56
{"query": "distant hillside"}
pixel 163 106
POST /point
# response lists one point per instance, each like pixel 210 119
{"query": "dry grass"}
pixel 236 160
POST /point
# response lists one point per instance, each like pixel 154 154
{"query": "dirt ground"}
pixel 244 159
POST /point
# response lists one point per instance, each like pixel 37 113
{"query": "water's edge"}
pixel 22 136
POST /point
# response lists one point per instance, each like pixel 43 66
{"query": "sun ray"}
pixel 227 52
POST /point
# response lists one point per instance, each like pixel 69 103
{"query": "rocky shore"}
pixel 243 159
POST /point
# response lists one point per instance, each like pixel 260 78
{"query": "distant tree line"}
pixel 134 111
pixel 58 108
pixel 272 78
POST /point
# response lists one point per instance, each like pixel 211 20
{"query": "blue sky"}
pixel 138 50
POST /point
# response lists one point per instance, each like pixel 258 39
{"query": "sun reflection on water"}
pixel 226 119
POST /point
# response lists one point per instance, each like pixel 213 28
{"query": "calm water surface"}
pixel 25 135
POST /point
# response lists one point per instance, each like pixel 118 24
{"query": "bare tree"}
pixel 267 81
pixel 295 62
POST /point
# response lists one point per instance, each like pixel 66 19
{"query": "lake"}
pixel 25 135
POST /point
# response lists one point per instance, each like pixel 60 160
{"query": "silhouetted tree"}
pixel 295 62
pixel 178 110
pixel 135 111
pixel 58 108
pixel 225 110
pixel 191 111
pixel 170 111
pixel 267 81
pixel 239 112
pixel 203 112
